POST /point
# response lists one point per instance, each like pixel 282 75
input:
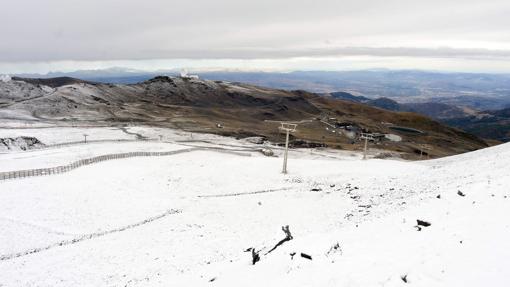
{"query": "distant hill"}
pixel 494 125
pixel 230 109
pixel 487 124
pixel 474 90
pixel 50 82
pixel 437 111
pixel 349 97
pixel 387 104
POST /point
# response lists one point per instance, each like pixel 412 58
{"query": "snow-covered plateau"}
pixel 201 218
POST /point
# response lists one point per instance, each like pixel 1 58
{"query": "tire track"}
pixel 41 228
pixel 86 237
pixel 245 193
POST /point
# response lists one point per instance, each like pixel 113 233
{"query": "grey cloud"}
pixel 444 52
pixel 250 54
pixel 103 30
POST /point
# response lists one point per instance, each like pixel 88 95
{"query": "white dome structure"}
pixel 5 78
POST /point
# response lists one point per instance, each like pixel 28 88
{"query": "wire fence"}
pixel 88 161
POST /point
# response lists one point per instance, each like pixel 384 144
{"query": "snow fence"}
pixel 83 162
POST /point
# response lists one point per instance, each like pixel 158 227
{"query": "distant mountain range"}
pixel 112 75
pixel 476 91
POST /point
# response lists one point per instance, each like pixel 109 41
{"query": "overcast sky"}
pixel 454 35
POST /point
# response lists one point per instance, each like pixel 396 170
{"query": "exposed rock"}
pixel 20 143
pixel 404 278
pixel 288 237
pixel 423 223
pixel 255 140
pixel 267 152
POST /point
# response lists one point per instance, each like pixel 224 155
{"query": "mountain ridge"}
pixel 233 109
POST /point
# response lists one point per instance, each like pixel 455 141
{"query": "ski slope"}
pixel 187 220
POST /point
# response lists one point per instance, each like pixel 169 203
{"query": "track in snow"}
pixel 87 236
pixel 246 193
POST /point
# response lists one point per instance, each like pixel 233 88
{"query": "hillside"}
pixel 474 90
pixel 491 125
pixel 487 124
pixel 229 109
pixel 438 111
pixel 193 218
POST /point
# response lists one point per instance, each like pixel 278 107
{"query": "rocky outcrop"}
pixel 19 143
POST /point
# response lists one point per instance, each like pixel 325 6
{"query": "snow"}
pixel 5 78
pixel 186 219
pixel 55 135
pixel 393 137
pixel 16 114
pixel 53 157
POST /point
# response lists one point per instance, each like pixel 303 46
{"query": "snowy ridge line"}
pixel 326 155
pixel 228 151
pixel 240 152
pixel 49 126
pixel 88 236
pixel 88 161
pixel 92 141
pixel 187 143
pixel 66 144
pixel 253 147
pixel 246 193
pixel 230 145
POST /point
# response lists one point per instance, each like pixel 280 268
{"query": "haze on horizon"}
pixel 67 35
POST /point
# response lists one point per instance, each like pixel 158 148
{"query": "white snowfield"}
pixel 52 135
pixel 61 156
pixel 187 220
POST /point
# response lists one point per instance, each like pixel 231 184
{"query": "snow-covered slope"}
pixel 187 220
pixel 16 91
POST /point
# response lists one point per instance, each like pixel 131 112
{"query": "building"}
pixel 185 75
